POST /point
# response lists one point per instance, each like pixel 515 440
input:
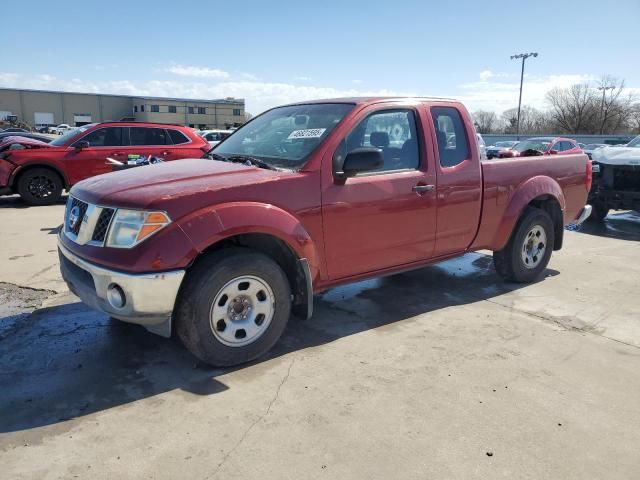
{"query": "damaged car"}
pixel 616 179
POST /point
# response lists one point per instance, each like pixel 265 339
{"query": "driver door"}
pixel 385 218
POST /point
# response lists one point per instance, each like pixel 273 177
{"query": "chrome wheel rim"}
pixel 242 311
pixel 534 247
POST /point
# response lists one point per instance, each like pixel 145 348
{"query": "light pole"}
pixel 523 56
pixel 604 91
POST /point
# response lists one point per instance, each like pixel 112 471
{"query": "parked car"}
pixel 214 137
pixel 493 151
pixel 60 129
pixel 589 148
pixel 15 130
pixel 616 179
pixel 542 146
pixel 40 176
pixel 300 199
pixel 42 138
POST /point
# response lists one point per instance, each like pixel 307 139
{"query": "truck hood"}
pixel 177 187
pixel 617 155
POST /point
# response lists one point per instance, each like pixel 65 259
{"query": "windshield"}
pixel 69 135
pixel 635 142
pixel 532 144
pixel 285 136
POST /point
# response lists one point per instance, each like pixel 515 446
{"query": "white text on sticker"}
pixel 307 133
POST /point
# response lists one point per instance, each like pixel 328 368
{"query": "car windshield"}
pixel 532 144
pixel 285 136
pixel 635 142
pixel 69 135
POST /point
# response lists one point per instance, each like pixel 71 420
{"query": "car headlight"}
pixel 130 227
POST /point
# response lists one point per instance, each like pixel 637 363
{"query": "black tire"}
pixel 509 261
pixel 599 211
pixel 40 186
pixel 203 283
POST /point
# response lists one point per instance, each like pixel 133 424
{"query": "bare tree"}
pixel 573 109
pixel 615 107
pixel 634 118
pixel 532 121
pixel 247 116
pixel 486 122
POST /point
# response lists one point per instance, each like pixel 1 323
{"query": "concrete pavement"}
pixel 445 372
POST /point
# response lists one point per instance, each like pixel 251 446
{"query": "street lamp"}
pixel 604 91
pixel 523 56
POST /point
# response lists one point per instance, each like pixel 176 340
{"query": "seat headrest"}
pixel 379 139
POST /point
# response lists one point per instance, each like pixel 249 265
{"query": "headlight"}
pixel 130 227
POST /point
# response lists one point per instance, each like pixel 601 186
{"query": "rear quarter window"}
pixel 453 144
pixel 177 137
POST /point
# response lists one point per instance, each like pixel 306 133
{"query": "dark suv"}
pixel 39 173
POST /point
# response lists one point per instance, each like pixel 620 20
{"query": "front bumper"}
pixel 149 298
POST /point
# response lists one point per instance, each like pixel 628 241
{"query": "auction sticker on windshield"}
pixel 307 133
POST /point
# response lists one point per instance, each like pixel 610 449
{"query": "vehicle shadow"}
pixel 15 201
pixel 65 362
pixel 619 225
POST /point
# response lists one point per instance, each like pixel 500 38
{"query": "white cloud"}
pixel 498 91
pixel 302 78
pixel 259 95
pixel 197 72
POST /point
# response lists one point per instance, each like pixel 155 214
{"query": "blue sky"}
pixel 272 52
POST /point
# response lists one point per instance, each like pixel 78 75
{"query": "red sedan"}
pixel 542 146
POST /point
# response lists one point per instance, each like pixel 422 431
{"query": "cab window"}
pixel 392 131
pixel 453 144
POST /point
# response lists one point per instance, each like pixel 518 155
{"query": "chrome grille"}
pixel 102 225
pixel 86 223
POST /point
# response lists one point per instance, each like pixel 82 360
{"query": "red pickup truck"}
pixel 303 198
pixel 39 171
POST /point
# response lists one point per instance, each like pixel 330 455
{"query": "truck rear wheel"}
pixel 528 251
pixel 40 186
pixel 234 306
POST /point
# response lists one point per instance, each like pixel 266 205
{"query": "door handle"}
pixel 166 152
pixel 117 154
pixel 422 188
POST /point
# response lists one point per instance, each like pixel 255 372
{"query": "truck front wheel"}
pixel 233 307
pixel 528 251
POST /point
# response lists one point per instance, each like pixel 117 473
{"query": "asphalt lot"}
pixel 445 372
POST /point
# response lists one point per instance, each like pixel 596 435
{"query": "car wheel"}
pixel 40 186
pixel 233 306
pixel 528 251
pixel 599 211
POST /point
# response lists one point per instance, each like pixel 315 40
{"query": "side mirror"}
pixel 364 159
pixel 553 152
pixel 81 145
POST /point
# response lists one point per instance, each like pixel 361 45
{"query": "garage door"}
pixel 80 119
pixel 43 119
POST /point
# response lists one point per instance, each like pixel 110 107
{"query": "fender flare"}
pixel 211 225
pixel 524 194
pixel 35 164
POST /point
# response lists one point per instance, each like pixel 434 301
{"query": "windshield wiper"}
pixel 250 161
pixel 216 156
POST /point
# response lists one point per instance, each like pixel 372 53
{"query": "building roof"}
pixel 143 97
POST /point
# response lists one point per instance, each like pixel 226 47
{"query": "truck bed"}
pixel 503 180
